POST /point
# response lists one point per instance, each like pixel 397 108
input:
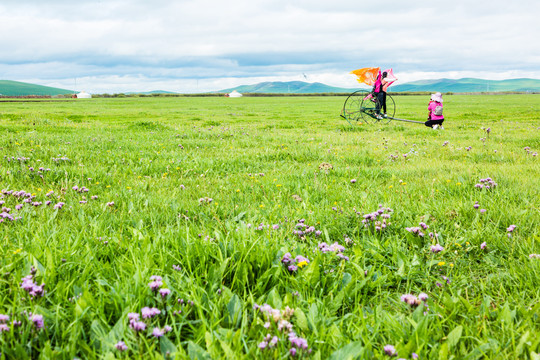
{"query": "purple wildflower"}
pixel 353 181
pixel 292 268
pixel 4 318
pixel 59 205
pixel 137 325
pixel 483 245
pixel 298 342
pixel 410 299
pixel 287 259
pixel 157 332
pixel 390 350
pixel 37 320
pixel 4 327
pixel 423 296
pixel 436 248
pixel 164 292
pixel 121 346
pixel 148 313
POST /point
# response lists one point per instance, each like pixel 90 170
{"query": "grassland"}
pixel 205 197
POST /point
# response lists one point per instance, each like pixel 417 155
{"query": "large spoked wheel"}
pixel 390 109
pixel 352 106
pixel 369 106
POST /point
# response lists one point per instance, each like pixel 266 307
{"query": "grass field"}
pixel 209 228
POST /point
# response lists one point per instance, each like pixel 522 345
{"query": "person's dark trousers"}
pixel 381 100
pixel 430 123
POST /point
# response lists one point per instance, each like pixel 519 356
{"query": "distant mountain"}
pixel 470 85
pixel 17 88
pixel 441 85
pixel 290 87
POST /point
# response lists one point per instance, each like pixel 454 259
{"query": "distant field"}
pixel 160 228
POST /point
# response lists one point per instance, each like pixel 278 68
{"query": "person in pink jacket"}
pixel 379 90
pixel 435 108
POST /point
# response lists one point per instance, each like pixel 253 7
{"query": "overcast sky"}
pixel 111 46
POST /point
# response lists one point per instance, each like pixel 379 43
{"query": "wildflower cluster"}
pixel 302 229
pixel 205 200
pixel 156 283
pixel 528 150
pixel 294 264
pixel 138 325
pixel 486 183
pixel 280 319
pixel 413 300
pixel 417 230
pixel 263 226
pixel 35 319
pixel 80 189
pixel 335 248
pixel 183 303
pixel 25 198
pixel 377 220
pixel 19 158
pixel 30 287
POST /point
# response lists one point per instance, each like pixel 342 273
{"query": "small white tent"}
pixel 235 93
pixel 83 95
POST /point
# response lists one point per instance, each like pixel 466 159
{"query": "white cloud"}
pixel 179 44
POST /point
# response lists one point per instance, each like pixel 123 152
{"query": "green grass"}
pixel 258 160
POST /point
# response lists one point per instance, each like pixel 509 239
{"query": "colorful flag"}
pixel 367 75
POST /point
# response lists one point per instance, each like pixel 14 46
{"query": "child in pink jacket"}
pixel 435 107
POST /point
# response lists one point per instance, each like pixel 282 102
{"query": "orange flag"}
pixel 367 75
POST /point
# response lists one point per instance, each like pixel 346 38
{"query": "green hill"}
pixel 17 88
pixel 289 87
pixel 470 85
pixel 441 85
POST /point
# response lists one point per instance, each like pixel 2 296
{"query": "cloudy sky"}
pixel 111 46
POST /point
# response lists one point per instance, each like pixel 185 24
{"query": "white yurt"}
pixel 83 95
pixel 235 94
